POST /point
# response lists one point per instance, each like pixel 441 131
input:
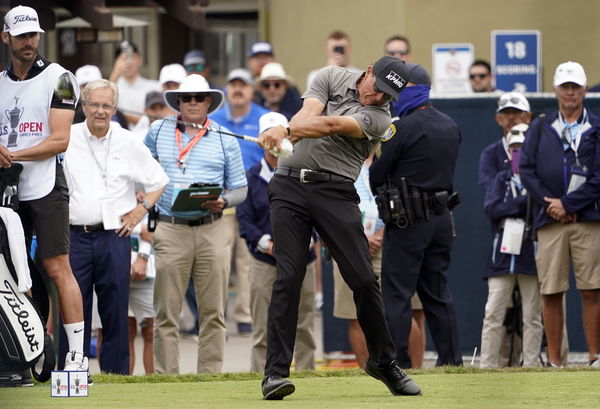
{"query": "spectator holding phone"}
pixel 338 50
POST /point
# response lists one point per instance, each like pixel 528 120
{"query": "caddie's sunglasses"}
pixel 188 98
pixel 480 76
pixel 269 84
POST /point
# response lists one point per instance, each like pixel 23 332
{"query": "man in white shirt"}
pixel 103 164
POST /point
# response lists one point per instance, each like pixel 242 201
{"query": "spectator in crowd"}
pixel 156 108
pixel 480 76
pixel 195 62
pixel 338 51
pixel 259 55
pixel 86 74
pixel 169 79
pixel 511 265
pixel 276 92
pixel 193 242
pixel 397 46
pixel 130 83
pixel 255 228
pixel 419 152
pixel 240 115
pixel 102 164
pixel 560 167
pixel 50 94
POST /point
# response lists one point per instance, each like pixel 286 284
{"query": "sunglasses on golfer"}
pixel 188 98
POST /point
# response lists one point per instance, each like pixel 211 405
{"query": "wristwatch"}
pixel 143 256
pixel 287 129
pixel 146 205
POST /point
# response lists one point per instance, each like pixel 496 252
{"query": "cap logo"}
pixel 24 17
pixel 396 79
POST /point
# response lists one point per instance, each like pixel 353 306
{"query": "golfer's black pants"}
pixel 416 259
pixel 332 209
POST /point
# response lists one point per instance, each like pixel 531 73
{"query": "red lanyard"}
pixel 183 152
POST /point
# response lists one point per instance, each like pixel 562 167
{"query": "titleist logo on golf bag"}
pixel 15 304
pixel 23 331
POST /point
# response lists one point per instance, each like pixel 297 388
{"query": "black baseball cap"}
pixel 391 75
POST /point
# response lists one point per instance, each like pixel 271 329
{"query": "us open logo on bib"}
pixel 390 133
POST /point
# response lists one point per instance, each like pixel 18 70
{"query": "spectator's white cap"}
pixel 513 100
pixel 517 134
pixel 271 119
pixel 172 73
pixel 20 20
pixel 87 73
pixel 273 71
pixel 242 75
pixel 570 72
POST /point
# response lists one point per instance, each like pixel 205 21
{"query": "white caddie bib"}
pixel 24 122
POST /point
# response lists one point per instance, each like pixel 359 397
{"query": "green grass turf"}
pixel 446 388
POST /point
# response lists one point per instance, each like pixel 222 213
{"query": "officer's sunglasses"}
pixel 188 98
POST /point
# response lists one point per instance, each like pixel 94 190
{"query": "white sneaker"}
pixel 75 361
pixel 596 362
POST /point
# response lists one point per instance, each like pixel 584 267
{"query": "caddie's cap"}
pixel 20 20
pixel 391 75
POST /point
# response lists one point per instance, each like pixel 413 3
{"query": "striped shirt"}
pixel 215 159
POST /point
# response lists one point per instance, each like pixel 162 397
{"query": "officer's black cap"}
pixel 391 75
pixel 418 75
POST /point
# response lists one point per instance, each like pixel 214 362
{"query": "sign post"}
pixel 516 60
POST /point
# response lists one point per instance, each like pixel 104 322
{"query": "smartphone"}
pixel 339 49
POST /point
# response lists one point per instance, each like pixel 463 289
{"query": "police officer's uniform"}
pixel 422 147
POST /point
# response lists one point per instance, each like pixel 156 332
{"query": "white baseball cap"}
pixel 172 73
pixel 270 120
pixel 517 134
pixel 87 73
pixel 20 20
pixel 241 74
pixel 513 100
pixel 570 72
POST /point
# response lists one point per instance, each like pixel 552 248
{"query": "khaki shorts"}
pixel 579 242
pixel 343 301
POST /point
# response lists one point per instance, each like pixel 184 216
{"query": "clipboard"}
pixel 191 198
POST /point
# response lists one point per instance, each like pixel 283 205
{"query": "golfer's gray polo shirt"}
pixel 336 88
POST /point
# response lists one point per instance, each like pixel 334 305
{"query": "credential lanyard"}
pixel 184 152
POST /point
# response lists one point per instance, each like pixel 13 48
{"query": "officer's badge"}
pixel 390 133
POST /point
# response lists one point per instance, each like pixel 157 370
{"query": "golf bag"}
pixel 22 331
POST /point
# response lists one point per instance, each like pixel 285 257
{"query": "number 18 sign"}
pixel 516 60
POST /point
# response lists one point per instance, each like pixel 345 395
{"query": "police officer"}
pixel 415 171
